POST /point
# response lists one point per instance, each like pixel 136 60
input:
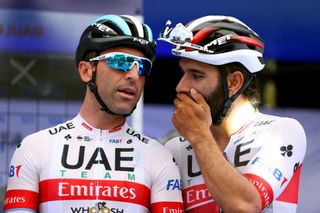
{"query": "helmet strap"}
pixel 217 119
pixel 227 102
pixel 94 89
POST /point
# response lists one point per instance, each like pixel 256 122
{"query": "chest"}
pixel 76 155
pixel 239 151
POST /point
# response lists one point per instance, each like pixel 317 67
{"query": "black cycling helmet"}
pixel 217 40
pixel 113 30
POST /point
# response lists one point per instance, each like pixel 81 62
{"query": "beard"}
pixel 104 106
pixel 117 112
pixel 215 100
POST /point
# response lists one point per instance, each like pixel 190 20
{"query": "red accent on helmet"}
pixel 247 40
pixel 203 33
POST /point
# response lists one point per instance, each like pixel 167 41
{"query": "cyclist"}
pixel 95 162
pixel 232 158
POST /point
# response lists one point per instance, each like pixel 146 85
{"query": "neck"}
pixel 240 114
pixel 90 111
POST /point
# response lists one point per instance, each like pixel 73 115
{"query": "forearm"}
pixel 230 190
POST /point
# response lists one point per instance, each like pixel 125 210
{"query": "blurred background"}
pixel 39 85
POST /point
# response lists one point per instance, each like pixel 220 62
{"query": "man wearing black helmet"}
pixel 95 162
pixel 232 157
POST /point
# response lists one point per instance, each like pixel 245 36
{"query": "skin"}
pixel 119 90
pixel 192 119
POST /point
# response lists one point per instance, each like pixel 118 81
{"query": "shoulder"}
pixel 60 128
pixel 42 137
pixel 278 123
pixel 139 137
pixel 31 150
pixel 176 142
pixel 282 131
pixel 143 141
pixel 178 145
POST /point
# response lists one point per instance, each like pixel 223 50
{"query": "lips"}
pixel 127 92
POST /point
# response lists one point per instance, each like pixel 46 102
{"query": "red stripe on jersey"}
pixel 162 207
pixel 19 198
pixel 77 189
pixel 196 195
pixel 291 192
pixel 86 126
pixel 264 189
pixel 115 129
pixel 207 207
pixel 242 128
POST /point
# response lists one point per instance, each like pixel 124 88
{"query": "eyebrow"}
pixel 192 70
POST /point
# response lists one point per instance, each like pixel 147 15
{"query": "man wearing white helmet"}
pixel 95 162
pixel 232 157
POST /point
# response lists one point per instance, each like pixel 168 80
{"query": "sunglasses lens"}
pixel 144 67
pixel 125 62
pixel 180 34
pixel 118 62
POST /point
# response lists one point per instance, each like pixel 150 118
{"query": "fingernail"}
pixel 193 91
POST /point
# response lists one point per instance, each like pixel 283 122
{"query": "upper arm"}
pixel 272 168
pixel 23 182
pixel 166 184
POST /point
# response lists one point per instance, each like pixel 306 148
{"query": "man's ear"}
pixel 235 81
pixel 85 70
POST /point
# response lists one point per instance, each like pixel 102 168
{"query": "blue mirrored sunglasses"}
pixel 124 62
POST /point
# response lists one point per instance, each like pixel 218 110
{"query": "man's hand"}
pixel 191 115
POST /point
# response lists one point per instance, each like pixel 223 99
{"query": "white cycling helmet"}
pixel 216 40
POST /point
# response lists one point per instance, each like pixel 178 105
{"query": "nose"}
pixel 133 73
pixel 182 86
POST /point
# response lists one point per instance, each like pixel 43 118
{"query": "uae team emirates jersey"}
pixel 76 168
pixel 269 151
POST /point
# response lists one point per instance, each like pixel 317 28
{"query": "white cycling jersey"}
pixel 76 168
pixel 269 151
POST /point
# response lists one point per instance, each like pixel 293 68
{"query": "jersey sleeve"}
pixel 166 193
pixel 275 169
pixel 22 189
